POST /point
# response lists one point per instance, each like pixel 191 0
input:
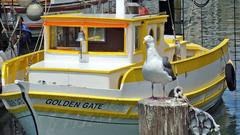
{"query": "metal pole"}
pixel 201 26
pixel 183 19
pixel 235 40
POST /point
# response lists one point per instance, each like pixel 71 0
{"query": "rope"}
pixel 171 18
pixel 174 33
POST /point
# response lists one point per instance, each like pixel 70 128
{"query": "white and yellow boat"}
pixel 96 90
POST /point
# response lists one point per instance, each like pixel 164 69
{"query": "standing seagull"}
pixel 154 68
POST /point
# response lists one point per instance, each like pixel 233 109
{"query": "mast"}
pixel 120 8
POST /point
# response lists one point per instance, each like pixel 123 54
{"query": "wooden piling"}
pixel 163 116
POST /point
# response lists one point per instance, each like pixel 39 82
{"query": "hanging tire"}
pixel 230 76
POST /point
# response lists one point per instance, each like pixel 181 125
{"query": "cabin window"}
pixel 151 33
pixel 137 37
pixel 106 39
pixel 96 34
pixel 66 37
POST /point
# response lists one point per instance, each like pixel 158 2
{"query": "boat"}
pixel 88 79
pixel 50 7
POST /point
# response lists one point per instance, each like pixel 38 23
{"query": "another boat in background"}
pixel 49 7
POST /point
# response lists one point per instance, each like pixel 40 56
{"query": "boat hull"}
pixel 62 124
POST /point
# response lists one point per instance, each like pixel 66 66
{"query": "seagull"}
pixel 155 69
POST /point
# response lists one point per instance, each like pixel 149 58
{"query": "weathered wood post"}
pixel 163 116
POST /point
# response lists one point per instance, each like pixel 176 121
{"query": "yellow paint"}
pixel 214 95
pixel 10 95
pixel 51 38
pixel 18 109
pixel 125 41
pixel 108 53
pixel 16 68
pixel 79 97
pixel 133 75
pixel 172 40
pixel 63 51
pixel 196 62
pixel 204 89
pixel 205 101
pixel 47 32
pixel 87 112
pixel 112 19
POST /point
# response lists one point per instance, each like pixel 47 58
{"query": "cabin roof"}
pixel 112 17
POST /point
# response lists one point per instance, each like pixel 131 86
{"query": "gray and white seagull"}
pixel 156 69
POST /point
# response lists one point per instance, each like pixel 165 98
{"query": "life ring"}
pixel 230 76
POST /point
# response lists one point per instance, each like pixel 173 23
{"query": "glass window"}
pixel 96 34
pixel 66 37
pixel 106 40
pixel 151 33
pixel 137 37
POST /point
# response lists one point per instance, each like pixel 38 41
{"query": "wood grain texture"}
pixel 164 116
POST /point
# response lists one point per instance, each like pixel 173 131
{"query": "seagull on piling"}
pixel 155 69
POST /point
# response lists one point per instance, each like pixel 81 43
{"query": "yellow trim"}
pixel 10 95
pixel 47 32
pixel 143 34
pixel 205 101
pixel 205 88
pixel 87 112
pixel 108 53
pixel 182 66
pixel 17 109
pixel 133 75
pixel 63 51
pixel 16 68
pixel 77 17
pixel 90 53
pixel 77 97
pixel 138 52
pixel 214 95
pixel 51 38
pixel 172 40
pixel 158 34
pixel 130 109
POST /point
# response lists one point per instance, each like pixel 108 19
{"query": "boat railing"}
pixel 17 68
pixel 182 66
pixel 201 60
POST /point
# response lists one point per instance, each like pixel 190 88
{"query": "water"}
pixel 217 23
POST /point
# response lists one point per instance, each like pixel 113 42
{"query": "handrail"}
pixel 134 74
pixel 16 68
pixel 195 62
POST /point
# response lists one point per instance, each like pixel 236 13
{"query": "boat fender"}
pixel 230 75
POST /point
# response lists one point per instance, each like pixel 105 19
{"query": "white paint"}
pixel 120 8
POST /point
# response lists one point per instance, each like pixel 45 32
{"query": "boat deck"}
pixel 90 67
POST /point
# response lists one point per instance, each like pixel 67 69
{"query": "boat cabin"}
pixel 95 50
